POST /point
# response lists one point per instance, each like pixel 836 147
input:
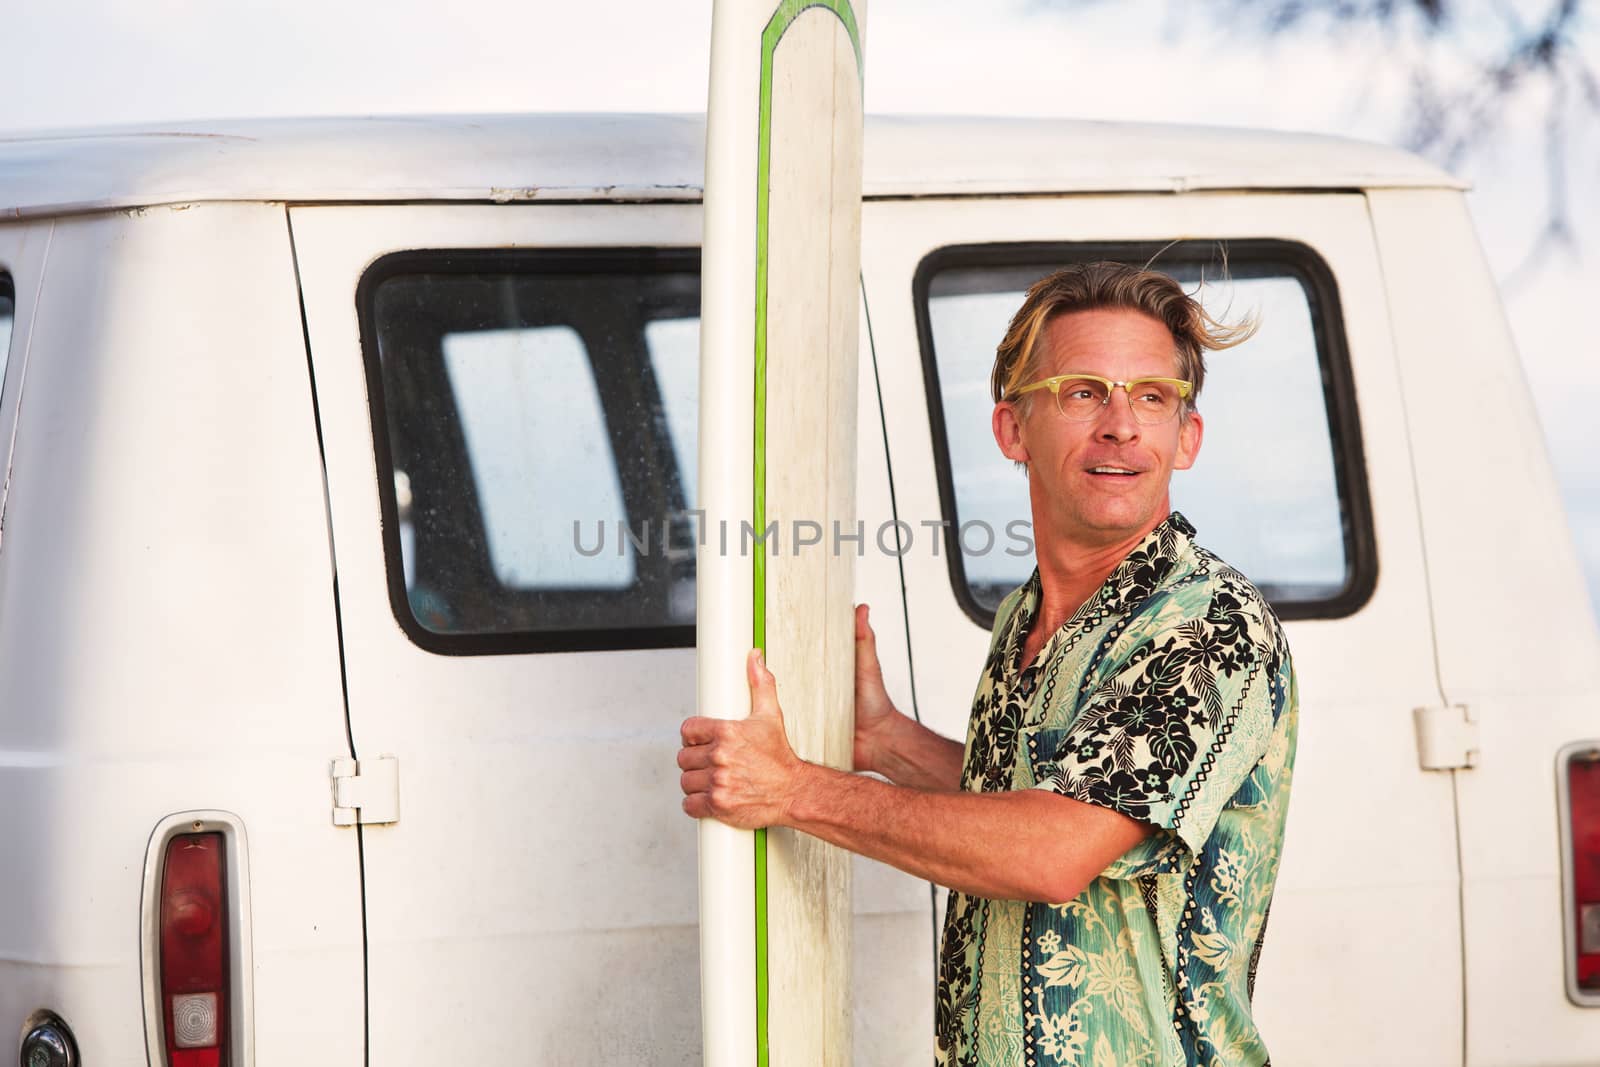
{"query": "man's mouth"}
pixel 1123 472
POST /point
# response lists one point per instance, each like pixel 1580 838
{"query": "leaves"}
pixel 1065 968
pixel 1213 950
pixel 1205 683
pixel 1172 746
pixel 1122 751
pixel 1212 947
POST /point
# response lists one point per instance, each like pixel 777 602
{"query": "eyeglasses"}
pixel 1082 397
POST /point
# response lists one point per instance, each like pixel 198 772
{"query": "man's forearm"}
pixel 1023 845
pixel 911 755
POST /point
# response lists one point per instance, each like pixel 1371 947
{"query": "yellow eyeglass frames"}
pixel 1082 397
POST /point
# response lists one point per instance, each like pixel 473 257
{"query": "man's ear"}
pixel 1008 432
pixel 1189 435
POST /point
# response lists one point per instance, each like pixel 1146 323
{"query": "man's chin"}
pixel 1108 525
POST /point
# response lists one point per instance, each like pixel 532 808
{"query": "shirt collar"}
pixel 1130 582
pixel 1150 563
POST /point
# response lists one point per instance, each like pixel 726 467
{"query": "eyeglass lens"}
pixel 1082 399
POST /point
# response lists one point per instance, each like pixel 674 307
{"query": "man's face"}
pixel 1105 480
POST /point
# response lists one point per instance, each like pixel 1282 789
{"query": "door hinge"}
pixel 1447 738
pixel 366 792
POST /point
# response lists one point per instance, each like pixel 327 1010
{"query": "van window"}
pixel 1277 490
pixel 536 423
pixel 8 310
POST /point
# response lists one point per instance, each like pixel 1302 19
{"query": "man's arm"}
pixel 890 742
pixel 1024 845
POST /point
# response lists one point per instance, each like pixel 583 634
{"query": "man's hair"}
pixel 1094 286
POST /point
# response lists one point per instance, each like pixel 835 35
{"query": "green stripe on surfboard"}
pixel 782 18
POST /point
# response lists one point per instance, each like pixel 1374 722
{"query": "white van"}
pixel 344 639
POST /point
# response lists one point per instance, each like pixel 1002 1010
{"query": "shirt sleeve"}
pixel 1174 732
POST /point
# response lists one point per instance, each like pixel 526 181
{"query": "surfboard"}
pixel 779 307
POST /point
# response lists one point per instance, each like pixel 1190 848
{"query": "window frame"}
pixel 521 262
pixel 8 290
pixel 1296 259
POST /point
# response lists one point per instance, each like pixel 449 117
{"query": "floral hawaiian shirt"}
pixel 1169 696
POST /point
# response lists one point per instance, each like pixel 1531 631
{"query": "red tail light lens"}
pixel 1583 791
pixel 194 950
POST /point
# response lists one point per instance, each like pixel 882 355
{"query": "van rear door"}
pixel 1304 482
pixel 506 398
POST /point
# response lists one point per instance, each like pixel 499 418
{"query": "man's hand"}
pixel 741 771
pixel 887 740
pixel 875 712
pixel 1023 845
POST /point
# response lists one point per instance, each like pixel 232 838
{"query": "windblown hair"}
pixel 1092 286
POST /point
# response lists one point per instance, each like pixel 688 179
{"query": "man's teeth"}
pixel 1111 470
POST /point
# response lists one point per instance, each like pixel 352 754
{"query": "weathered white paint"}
pixel 510 158
pixel 813 240
pixel 724 610
pixel 811 234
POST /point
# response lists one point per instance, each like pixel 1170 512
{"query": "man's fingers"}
pixel 739 772
pixel 696 806
pixel 698 730
pixel 695 781
pixel 694 757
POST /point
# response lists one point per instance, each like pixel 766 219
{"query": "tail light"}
pixel 1581 781
pixel 194 950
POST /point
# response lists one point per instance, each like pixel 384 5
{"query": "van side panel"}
pixel 1517 641
pixel 24 254
pixel 167 629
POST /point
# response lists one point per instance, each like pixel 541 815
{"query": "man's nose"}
pixel 1116 421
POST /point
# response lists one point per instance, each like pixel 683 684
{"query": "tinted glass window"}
pixel 538 417
pixel 1273 491
pixel 502 382
pixel 8 309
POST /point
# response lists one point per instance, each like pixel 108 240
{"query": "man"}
pixel 1110 832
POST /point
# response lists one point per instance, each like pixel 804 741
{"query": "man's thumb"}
pixel 864 626
pixel 763 686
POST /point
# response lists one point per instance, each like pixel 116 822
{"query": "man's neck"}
pixel 1070 572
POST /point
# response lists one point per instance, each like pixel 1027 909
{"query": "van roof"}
pixel 647 157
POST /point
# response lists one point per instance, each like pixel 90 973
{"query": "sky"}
pixel 98 62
